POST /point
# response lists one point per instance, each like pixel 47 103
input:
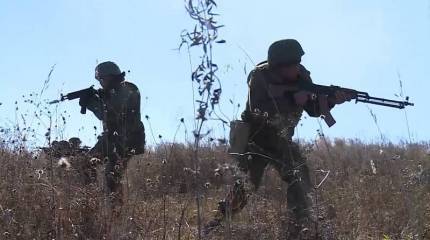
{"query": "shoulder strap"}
pixel 269 93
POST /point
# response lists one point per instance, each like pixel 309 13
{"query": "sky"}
pixel 366 45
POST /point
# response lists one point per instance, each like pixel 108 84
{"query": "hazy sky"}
pixel 365 45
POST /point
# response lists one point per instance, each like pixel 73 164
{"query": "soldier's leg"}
pixel 235 201
pixel 252 166
pixel 256 170
pixel 114 169
pixel 99 150
pixel 89 171
pixel 252 169
pixel 115 162
pixel 94 157
pixel 295 172
pixel 237 197
pixel 110 174
pixel 249 179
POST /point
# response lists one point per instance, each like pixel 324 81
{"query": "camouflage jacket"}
pixel 266 95
pixel 119 109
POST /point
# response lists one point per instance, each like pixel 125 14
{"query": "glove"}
pixel 85 98
pixel 302 97
pixel 341 97
pixel 83 101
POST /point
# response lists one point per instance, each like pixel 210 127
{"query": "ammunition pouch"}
pixel 239 136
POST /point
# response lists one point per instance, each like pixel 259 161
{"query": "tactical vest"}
pixel 284 112
pixel 122 121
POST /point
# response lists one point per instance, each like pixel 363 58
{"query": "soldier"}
pixel 117 105
pixel 272 115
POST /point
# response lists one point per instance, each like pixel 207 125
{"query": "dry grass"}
pixel 39 200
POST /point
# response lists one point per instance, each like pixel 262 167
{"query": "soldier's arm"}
pixel 258 96
pixel 312 106
pixel 95 105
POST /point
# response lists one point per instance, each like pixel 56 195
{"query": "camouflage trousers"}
pixel 267 148
pixel 115 164
pixel 292 169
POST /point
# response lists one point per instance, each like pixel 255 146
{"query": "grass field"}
pixel 372 192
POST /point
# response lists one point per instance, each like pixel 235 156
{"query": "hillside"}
pixel 371 192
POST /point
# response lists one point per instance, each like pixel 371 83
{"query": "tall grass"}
pixel 362 190
pixel 357 201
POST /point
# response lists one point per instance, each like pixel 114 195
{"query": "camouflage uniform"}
pixel 123 132
pixel 273 136
pixel 273 115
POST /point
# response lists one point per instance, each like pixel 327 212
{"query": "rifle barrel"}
pixel 74 95
pixel 54 101
pixel 383 101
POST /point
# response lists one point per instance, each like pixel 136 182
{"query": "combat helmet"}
pixel 286 51
pixel 106 69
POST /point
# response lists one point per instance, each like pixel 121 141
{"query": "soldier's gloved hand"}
pixel 83 102
pixel 302 97
pixel 341 97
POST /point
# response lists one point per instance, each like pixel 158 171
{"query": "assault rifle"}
pixel 322 93
pixel 84 94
